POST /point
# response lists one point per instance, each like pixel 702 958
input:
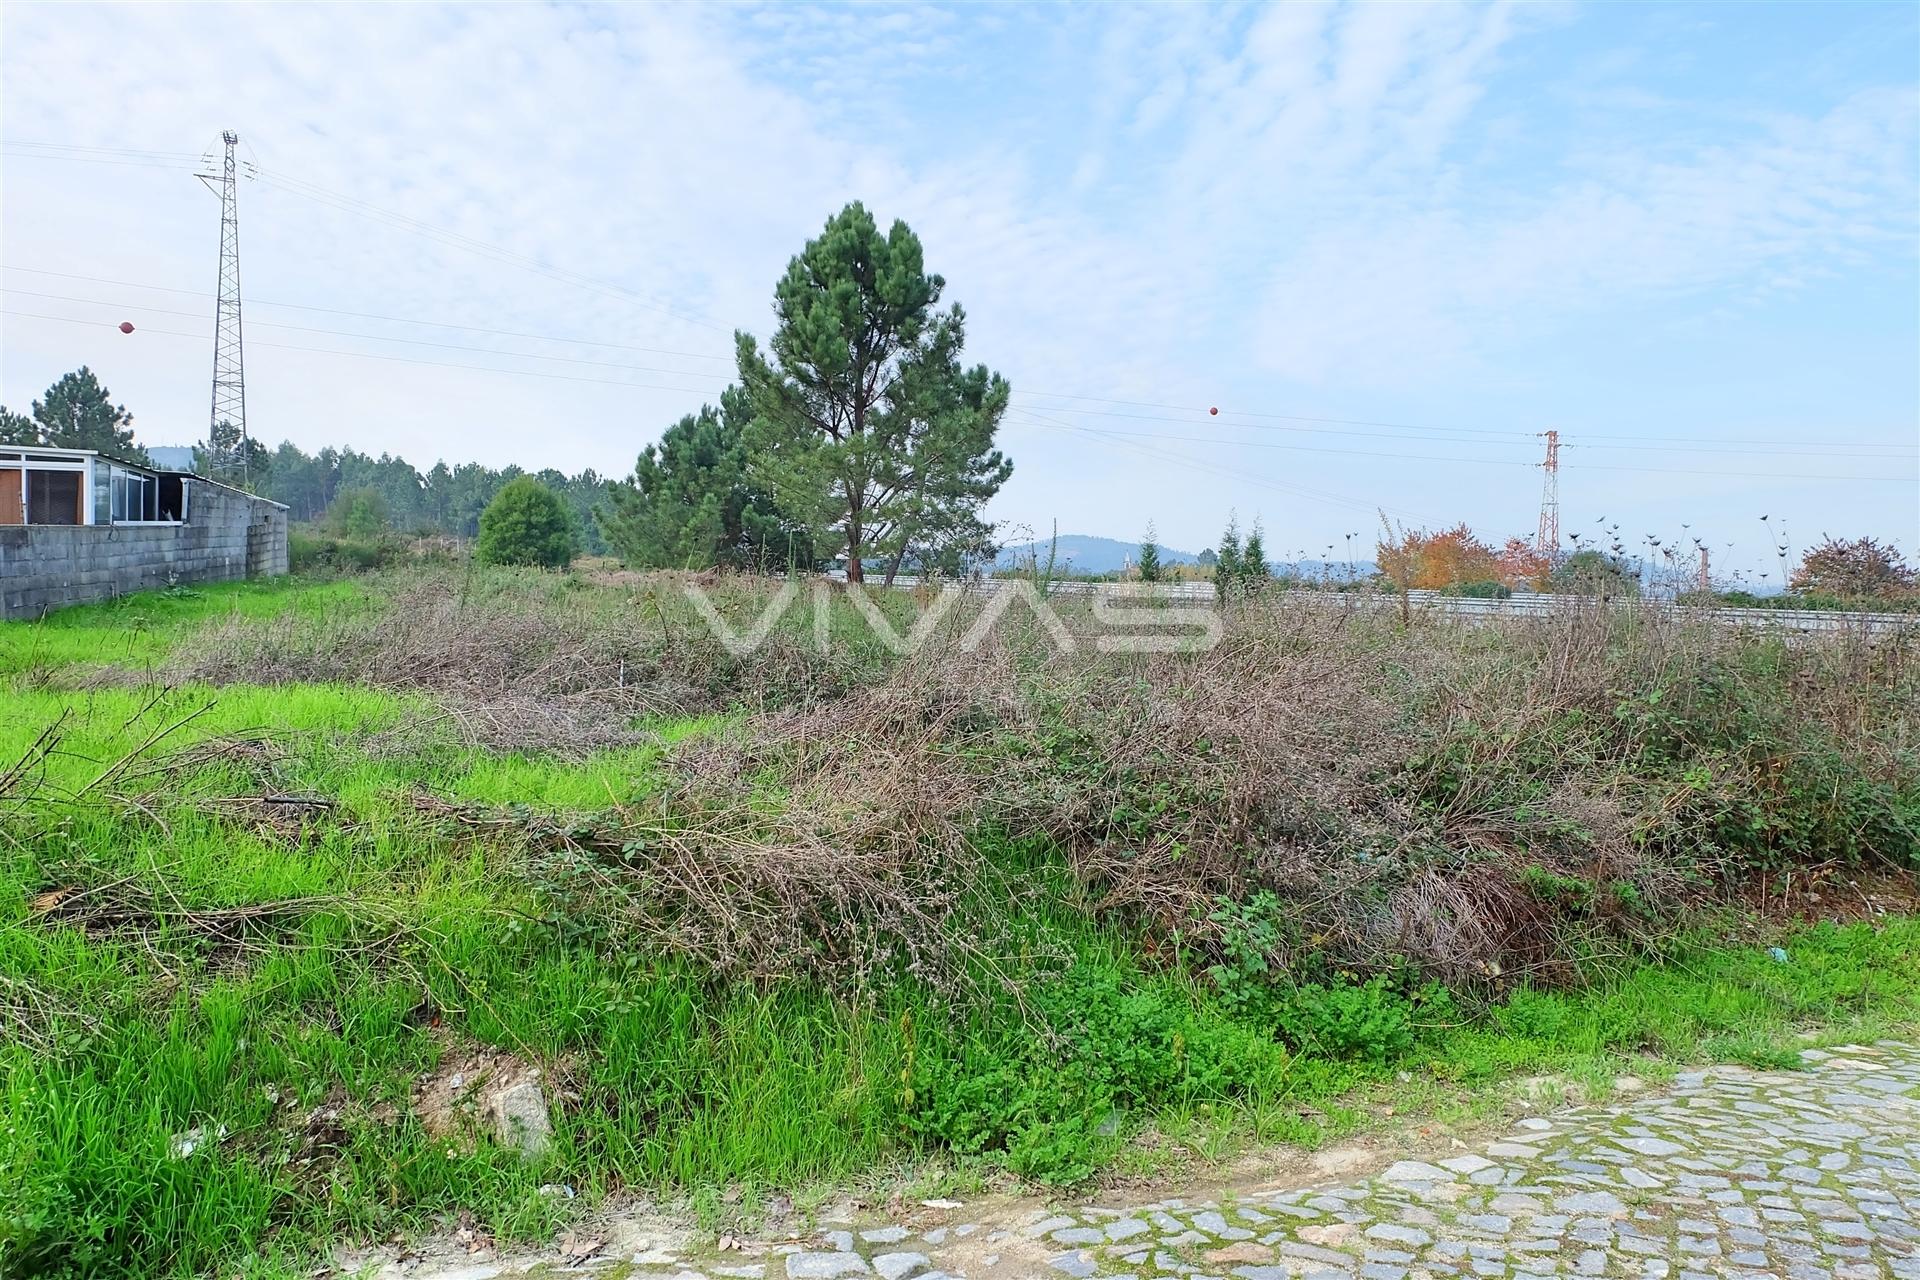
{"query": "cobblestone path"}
pixel 1727 1173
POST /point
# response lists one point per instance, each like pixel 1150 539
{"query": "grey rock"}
pixel 824 1266
pixel 894 1266
pixel 518 1111
pixel 1415 1171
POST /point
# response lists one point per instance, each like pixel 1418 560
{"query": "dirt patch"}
pixel 455 1100
pixel 1833 891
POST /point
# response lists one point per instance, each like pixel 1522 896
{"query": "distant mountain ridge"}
pixel 1085 553
pixel 1089 553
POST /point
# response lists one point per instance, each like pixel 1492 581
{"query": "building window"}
pixel 173 497
pixel 135 497
pixel 53 497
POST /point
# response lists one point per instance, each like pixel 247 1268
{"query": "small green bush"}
pixel 1377 1020
pixel 526 523
pixel 1534 1014
pixel 360 514
pixel 1114 1041
pixel 1336 1016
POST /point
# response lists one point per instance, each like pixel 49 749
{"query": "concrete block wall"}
pixel 227 535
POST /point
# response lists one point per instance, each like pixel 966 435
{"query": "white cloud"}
pixel 1440 286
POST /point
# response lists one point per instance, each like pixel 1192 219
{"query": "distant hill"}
pixel 1085 553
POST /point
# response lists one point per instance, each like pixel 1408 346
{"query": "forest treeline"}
pixel 441 499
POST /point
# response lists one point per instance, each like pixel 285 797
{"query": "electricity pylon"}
pixel 227 452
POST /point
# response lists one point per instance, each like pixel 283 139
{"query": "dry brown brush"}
pixel 530 660
pixel 837 845
pixel 1476 800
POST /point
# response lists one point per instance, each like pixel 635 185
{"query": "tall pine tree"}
pixel 867 429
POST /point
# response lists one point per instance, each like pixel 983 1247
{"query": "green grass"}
pixel 292 1044
pixel 135 632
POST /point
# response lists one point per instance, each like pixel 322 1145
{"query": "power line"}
pixel 1304 448
pixel 1196 464
pixel 371 355
pixel 1514 435
pixel 688 373
pixel 1247 413
pixel 1189 409
pixel 1503 436
pixel 373 337
pixel 1426 457
pixel 352 204
pixel 314 191
pixel 77 147
pixel 1527 438
pixel 1758 475
pixel 357 315
pixel 183 165
pixel 1755 448
pixel 1327 426
pixel 1105 433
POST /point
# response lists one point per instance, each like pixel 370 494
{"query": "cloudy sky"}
pixel 1391 243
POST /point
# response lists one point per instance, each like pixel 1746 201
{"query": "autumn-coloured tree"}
pixel 1523 566
pixel 1860 567
pixel 1434 560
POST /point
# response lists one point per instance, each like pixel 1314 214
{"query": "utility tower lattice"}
pixel 227 452
pixel 1547 540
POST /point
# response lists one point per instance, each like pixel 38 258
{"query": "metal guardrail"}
pixel 1521 604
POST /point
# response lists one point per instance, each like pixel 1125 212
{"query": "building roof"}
pixel 77 454
pixel 139 466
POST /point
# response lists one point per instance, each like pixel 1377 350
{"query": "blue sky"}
pixel 1684 236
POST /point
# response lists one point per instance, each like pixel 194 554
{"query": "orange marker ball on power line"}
pixel 126 326
pixel 1215 411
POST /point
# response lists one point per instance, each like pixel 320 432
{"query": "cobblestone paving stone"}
pixel 1727 1173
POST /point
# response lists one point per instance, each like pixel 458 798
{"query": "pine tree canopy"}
pixel 867 429
pixel 77 413
pixel 691 504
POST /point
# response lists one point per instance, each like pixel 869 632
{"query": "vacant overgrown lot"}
pixel 271 856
